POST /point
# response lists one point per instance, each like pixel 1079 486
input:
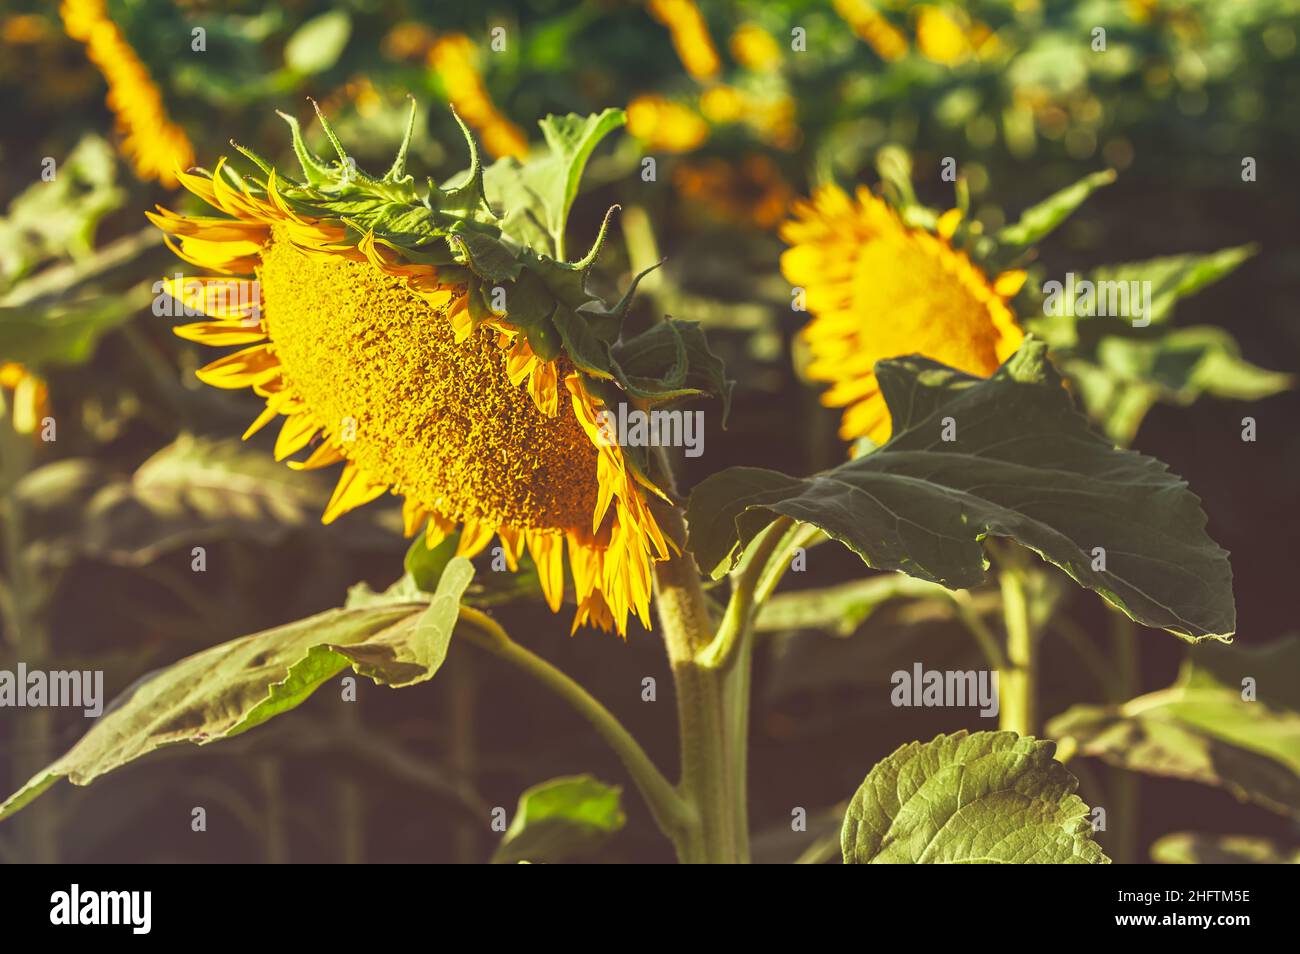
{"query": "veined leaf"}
pixel 560 819
pixel 1203 729
pixel 538 193
pixel 1038 221
pixel 231 688
pixel 985 798
pixel 1021 463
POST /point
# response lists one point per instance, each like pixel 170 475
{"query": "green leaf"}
pixel 62 332
pixel 843 608
pixel 1040 220
pixel 1120 375
pixel 49 220
pixel 1175 277
pixel 985 798
pixel 537 194
pixel 674 354
pixel 560 819
pixel 194 490
pixel 229 689
pixel 1202 729
pixel 1024 465
pixel 317 44
pixel 425 566
pixel 1189 848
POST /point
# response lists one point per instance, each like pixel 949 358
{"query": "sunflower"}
pixel 382 357
pixel 880 289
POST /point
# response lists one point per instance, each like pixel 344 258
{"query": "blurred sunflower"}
pixel 394 369
pixel 28 394
pixel 880 289
pixel 154 144
pixel 452 57
pixel 690 35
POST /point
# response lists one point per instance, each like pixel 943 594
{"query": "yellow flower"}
pixel 29 395
pixel 722 103
pixel 154 145
pixel 877 32
pixel 376 363
pixel 879 289
pixel 754 48
pixel 690 36
pixel 452 56
pixel 662 124
pixel 952 40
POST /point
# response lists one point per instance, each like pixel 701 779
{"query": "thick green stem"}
pixel 707 725
pixel 1019 711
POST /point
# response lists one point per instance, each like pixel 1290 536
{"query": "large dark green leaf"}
pixel 560 819
pixel 985 798
pixel 1024 465
pixel 1203 730
pixel 231 688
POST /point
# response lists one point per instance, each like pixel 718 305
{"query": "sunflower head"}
pixel 439 347
pixel 879 287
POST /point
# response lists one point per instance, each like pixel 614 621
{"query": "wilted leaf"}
pixel 1202 729
pixel 985 798
pixel 231 688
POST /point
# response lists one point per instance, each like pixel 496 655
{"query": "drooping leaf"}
pixel 560 819
pixel 1038 221
pixel 983 798
pixel 231 688
pixel 1022 464
pixel 1205 728
pixel 1190 848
